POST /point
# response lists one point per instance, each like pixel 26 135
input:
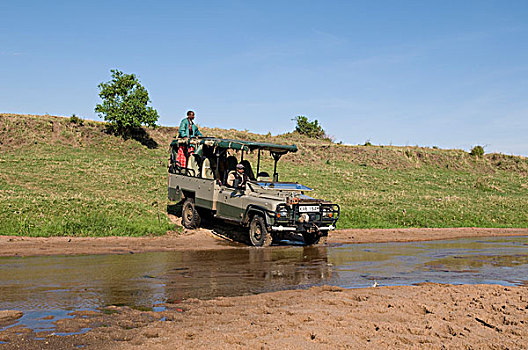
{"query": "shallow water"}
pixel 56 285
pixel 499 260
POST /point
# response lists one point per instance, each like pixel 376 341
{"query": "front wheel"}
pixel 312 238
pixel 258 232
pixel 190 216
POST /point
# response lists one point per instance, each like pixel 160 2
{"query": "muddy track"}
pixel 219 238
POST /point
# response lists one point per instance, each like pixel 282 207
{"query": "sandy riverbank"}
pixel 428 316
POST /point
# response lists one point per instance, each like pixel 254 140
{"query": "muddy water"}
pixel 55 285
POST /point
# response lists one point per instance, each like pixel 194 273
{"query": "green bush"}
pixel 477 151
pixel 309 128
pixel 76 120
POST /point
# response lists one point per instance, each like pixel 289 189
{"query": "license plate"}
pixel 308 208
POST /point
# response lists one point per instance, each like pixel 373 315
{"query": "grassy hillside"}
pixel 64 178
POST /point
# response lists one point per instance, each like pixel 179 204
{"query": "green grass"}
pixel 423 197
pixel 63 190
pixel 106 187
pixel 61 178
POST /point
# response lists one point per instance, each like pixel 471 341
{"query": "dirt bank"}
pixel 419 234
pixel 218 239
pixel 428 316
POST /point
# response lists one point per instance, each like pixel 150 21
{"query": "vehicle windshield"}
pixel 283 186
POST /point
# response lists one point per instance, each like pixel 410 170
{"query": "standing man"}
pixel 187 130
pixel 187 127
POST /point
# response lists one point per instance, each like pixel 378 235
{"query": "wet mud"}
pixel 218 237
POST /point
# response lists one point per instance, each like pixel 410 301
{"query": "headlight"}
pixel 328 214
pixel 282 214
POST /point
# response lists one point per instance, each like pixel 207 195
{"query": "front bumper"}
pixel 281 228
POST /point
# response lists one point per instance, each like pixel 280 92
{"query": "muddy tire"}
pixel 313 238
pixel 190 216
pixel 258 232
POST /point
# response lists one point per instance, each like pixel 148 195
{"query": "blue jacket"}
pixel 184 129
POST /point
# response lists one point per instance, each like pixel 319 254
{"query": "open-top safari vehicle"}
pixel 269 208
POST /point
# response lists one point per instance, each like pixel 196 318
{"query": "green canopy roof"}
pixel 235 144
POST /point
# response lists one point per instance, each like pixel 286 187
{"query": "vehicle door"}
pixel 231 203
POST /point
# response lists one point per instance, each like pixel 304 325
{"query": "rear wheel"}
pixel 190 216
pixel 258 233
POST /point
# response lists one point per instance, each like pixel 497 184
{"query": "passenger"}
pixel 209 169
pixel 237 178
pixel 247 169
pixel 222 166
pixel 230 165
pixel 187 130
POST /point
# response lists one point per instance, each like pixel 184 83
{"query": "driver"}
pixel 237 178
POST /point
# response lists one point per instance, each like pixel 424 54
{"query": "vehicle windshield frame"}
pixel 283 186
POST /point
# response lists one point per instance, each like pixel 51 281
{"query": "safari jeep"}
pixel 269 208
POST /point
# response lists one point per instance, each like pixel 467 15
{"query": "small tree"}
pixel 477 151
pixel 125 103
pixel 309 128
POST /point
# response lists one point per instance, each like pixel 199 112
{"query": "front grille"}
pixel 320 214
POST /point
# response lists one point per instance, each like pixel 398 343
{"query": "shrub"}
pixel 311 129
pixel 477 151
pixel 76 120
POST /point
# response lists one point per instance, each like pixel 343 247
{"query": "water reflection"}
pixel 234 272
pixel 143 280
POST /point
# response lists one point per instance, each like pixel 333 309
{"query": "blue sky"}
pixel 451 74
